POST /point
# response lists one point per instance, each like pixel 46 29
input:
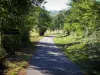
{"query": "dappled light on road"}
pixel 50 60
pixel 54 53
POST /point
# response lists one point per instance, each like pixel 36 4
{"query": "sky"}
pixel 56 4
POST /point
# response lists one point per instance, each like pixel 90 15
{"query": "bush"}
pixel 2 59
pixel 42 30
pixel 2 54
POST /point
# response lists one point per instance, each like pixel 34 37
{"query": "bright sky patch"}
pixel 56 4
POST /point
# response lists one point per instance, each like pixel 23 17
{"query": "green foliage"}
pixel 82 22
pixel 81 51
pixel 83 17
pixel 43 22
pixel 2 54
pixel 2 59
pixel 20 15
pixel 17 15
pixel 58 20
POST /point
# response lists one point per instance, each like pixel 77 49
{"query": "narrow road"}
pixel 50 60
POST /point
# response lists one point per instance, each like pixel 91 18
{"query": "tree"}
pixel 83 20
pixel 17 15
pixel 58 20
pixel 85 15
pixel 43 21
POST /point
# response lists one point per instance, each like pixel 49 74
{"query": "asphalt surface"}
pixel 50 60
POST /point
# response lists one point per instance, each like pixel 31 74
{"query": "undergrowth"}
pixel 81 51
pixel 22 58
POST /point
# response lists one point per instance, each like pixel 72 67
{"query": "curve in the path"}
pixel 50 60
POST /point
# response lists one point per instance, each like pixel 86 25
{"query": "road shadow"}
pixel 50 60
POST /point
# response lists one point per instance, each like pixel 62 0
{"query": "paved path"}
pixel 50 60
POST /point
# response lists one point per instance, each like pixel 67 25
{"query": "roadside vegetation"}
pixel 17 19
pixel 18 65
pixel 82 52
pixel 22 22
pixel 80 40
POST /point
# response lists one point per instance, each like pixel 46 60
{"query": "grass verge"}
pixel 86 55
pixel 18 65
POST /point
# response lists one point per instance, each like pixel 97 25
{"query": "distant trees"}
pixel 58 20
pixel 44 21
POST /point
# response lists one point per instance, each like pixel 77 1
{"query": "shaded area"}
pixel 22 56
pixel 50 60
